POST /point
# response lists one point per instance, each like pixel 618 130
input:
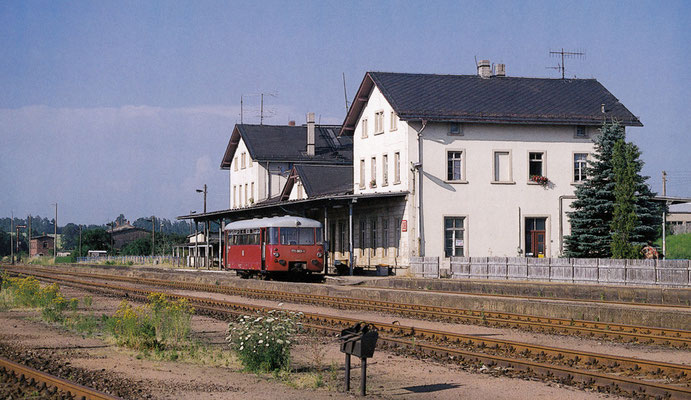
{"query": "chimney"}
pixel 501 70
pixel 291 123
pixel 310 134
pixel 483 69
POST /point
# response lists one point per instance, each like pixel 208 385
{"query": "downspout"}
pixel 561 221
pixel 419 210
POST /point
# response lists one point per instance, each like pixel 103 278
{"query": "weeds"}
pixel 263 342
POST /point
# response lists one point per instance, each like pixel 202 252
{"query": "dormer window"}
pixel 581 132
pixel 455 129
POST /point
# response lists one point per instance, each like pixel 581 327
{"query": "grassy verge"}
pixel 678 246
pixel 158 330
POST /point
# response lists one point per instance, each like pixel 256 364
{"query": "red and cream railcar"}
pixel 274 245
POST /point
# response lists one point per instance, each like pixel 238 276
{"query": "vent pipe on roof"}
pixel 310 134
pixel 291 123
pixel 501 70
pixel 483 69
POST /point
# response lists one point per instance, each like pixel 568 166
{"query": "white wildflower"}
pixel 260 342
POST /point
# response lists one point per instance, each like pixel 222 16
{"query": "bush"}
pixel 263 342
pixel 132 327
pixel 172 319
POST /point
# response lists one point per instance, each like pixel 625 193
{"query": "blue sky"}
pixel 110 107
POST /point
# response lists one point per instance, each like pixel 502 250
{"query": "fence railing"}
pixel 574 270
pixel 129 259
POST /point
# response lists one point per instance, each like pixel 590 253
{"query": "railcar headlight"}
pixel 276 254
pixel 319 255
pixel 282 262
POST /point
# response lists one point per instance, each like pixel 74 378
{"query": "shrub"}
pixel 263 342
pixel 132 327
pixel 172 319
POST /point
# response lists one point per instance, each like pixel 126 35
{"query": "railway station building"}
pixel 429 165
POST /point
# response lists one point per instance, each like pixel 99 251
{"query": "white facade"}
pixel 476 176
pixel 250 181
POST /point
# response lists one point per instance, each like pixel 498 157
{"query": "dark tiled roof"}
pixel 289 143
pixel 320 180
pixel 470 98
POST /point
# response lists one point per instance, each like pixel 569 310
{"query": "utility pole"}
pixel 261 116
pixel 11 230
pixel 17 229
pixel 80 240
pixel 664 215
pixel 55 241
pixel 153 235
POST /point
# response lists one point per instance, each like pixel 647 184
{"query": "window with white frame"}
pixel 363 128
pixel 378 122
pixel 579 164
pixel 397 233
pixel 362 173
pixel 373 172
pixel 246 198
pixel 393 123
pixel 397 167
pixel 385 170
pixel 243 160
pixel 502 166
pixel 455 128
pixel 235 195
pixel 536 164
pixel 252 192
pixel 454 239
pixel 454 160
pixel 235 163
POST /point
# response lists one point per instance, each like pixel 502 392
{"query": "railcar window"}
pixel 319 236
pixel 289 235
pixel 273 235
pixel 306 235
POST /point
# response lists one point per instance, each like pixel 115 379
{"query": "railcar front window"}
pixel 306 236
pixel 320 240
pixel 273 235
pixel 289 236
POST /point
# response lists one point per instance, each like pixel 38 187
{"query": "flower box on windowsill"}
pixel 373 184
pixel 540 180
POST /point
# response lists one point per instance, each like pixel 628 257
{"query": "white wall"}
pixel 493 222
pixel 248 175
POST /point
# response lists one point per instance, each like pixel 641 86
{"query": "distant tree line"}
pixel 96 237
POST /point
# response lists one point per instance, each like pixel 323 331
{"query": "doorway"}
pixel 535 237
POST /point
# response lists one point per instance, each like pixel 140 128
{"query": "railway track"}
pixel 49 385
pixel 589 329
pixel 615 374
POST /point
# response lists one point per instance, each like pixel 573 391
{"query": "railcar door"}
pixel 262 239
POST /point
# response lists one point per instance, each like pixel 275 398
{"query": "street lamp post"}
pixel 17 236
pixel 206 230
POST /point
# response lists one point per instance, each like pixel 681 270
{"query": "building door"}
pixel 535 237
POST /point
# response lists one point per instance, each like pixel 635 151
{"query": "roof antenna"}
pixel 565 54
pixel 345 93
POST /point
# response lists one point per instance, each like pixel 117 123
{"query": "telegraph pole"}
pixel 153 235
pixel 80 240
pixel 11 230
pixel 664 215
pixel 55 240
pixel 206 225
pixel 17 228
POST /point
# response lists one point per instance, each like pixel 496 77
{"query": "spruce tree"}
pixel 591 220
pixel 624 219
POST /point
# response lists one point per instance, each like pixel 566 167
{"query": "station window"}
pixel 579 164
pixel 536 161
pixel 453 236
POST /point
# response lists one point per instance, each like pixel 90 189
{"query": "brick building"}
pixel 41 246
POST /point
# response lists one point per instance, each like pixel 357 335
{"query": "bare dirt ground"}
pixel 390 376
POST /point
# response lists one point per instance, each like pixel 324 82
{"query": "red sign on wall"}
pixel 404 226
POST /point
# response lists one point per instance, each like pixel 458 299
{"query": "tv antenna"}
pixel 345 93
pixel 564 55
pixel 262 113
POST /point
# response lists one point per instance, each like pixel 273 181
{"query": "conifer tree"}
pixel 591 220
pixel 624 219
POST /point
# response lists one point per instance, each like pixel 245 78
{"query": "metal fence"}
pixel 129 259
pixel 573 270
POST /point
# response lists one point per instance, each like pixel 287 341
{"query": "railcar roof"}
pixel 285 221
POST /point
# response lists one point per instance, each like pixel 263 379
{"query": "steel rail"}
pixel 621 332
pixel 677 372
pixel 72 389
